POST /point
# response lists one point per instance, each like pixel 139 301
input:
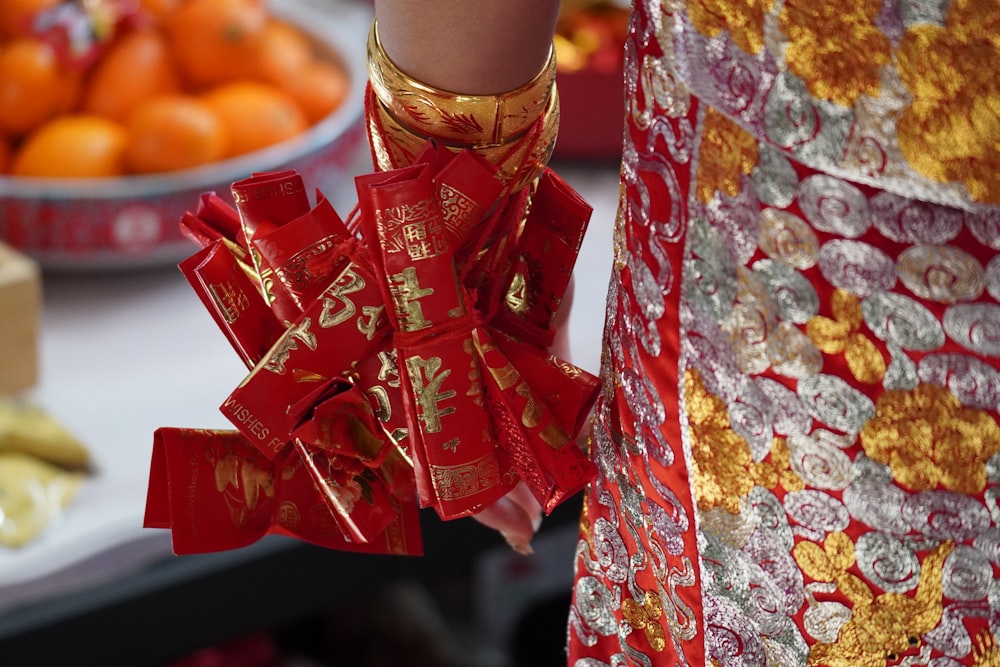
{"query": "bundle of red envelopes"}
pixel 397 358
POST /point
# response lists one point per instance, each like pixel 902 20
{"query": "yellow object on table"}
pixel 27 429
pixel 32 494
pixel 20 316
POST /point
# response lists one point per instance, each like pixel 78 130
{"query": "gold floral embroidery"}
pixel 835 47
pixel 743 20
pixel 951 131
pixel 776 470
pixel 881 628
pixel 927 438
pixel 646 616
pixel 830 563
pixel 722 462
pixel 727 153
pixel 840 335
pixel 985 652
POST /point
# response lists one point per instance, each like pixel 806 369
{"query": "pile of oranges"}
pixel 182 83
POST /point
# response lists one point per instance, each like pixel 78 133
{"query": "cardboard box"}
pixel 20 320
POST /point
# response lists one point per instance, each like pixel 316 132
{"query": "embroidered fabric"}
pixel 797 438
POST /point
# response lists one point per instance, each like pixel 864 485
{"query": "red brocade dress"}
pixel 798 435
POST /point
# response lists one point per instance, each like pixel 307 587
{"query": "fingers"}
pixel 515 517
pixel 523 496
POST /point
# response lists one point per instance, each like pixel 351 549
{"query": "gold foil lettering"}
pixel 337 295
pixel 368 323
pixel 383 409
pixel 288 342
pixel 296 271
pixel 568 369
pixel 267 284
pixel 415 236
pixel 517 295
pixel 475 384
pixel 505 376
pixel 388 371
pixel 230 300
pixel 426 377
pixel 249 423
pixel 417 229
pixel 406 293
pixel 264 191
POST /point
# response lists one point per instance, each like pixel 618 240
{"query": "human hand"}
pixel 516 516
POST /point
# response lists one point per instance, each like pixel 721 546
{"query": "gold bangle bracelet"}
pixel 519 161
pixel 468 120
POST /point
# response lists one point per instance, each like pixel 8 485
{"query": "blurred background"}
pixel 116 116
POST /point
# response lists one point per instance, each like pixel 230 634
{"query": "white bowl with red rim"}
pixel 132 221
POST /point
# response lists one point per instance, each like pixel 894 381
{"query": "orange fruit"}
pixel 255 115
pixel 33 85
pixel 16 15
pixel 72 146
pixel 136 67
pixel 284 50
pixel 173 132
pixel 217 40
pixel 318 88
pixel 159 9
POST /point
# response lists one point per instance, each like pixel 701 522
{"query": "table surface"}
pixel 123 353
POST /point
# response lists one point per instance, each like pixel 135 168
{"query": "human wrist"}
pixel 475 47
pixel 514 130
pixel 459 118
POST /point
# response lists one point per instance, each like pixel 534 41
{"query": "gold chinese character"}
pixel 230 300
pixel 337 307
pixel 288 342
pixel 388 372
pixel 406 292
pixel 426 377
pixel 383 409
pixel 416 228
pixel 370 320
pixel 415 236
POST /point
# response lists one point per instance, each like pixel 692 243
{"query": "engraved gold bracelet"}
pixel 518 162
pixel 468 120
